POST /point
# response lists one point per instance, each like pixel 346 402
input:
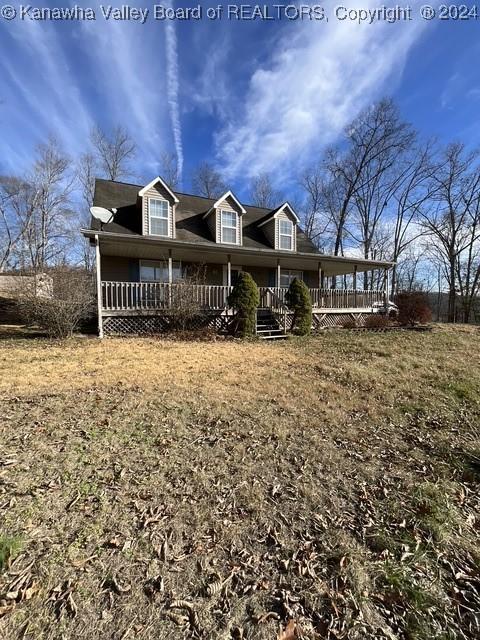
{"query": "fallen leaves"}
pixel 21 588
pixel 291 631
pixel 61 599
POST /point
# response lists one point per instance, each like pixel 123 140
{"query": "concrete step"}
pixel 274 330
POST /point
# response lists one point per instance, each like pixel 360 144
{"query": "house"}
pixel 158 238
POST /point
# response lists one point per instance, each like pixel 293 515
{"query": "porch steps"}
pixel 268 327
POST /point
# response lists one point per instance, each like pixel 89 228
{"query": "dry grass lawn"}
pixel 226 490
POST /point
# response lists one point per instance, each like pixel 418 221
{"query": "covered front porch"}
pixel 119 297
pixel 145 277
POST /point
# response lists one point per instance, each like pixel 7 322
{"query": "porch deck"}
pixel 143 298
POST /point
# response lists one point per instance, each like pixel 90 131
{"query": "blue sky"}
pixel 247 96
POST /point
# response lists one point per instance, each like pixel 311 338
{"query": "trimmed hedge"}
pixel 299 301
pixel 245 299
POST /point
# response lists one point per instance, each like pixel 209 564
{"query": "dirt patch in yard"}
pixel 223 490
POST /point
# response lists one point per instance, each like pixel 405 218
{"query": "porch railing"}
pixel 132 296
pixel 346 298
pixel 124 296
pixel 328 298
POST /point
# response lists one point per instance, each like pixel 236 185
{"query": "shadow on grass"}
pixel 20 332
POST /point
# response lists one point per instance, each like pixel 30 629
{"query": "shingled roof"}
pixel 190 210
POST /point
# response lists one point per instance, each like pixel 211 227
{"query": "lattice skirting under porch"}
pixel 326 320
pixel 148 325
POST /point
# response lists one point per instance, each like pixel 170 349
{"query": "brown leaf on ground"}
pixel 290 631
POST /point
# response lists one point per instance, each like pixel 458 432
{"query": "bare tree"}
pixel 263 194
pixel 388 138
pixel 312 183
pixel 35 212
pixel 468 263
pixel 49 231
pixel 15 211
pixel 207 182
pixel 414 192
pixel 113 153
pixel 354 175
pixel 87 170
pixel 452 224
pixel 86 174
pixel 170 172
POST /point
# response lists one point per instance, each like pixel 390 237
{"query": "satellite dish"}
pixel 104 215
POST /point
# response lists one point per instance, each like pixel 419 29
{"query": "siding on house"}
pixel 214 274
pixel 263 276
pixel 281 215
pixel 212 225
pixel 118 269
pixel 228 205
pixel 311 279
pixel 159 193
pixel 271 230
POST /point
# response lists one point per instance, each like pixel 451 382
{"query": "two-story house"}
pixel 157 239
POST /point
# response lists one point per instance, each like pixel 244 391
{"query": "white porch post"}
pixel 386 287
pixel 99 286
pixel 170 267
pixel 170 277
pixel 320 275
pixel 229 271
pixel 355 268
pixel 278 273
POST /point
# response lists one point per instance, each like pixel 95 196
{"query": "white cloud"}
pixel 210 90
pixel 62 80
pixel 39 74
pixel 130 80
pixel 172 91
pixel 318 78
pixel 451 90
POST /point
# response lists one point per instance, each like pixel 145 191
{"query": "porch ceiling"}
pixel 157 249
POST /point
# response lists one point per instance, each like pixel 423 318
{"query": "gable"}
pixel 158 182
pixel 158 192
pixel 229 204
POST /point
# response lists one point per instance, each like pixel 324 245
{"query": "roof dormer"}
pixel 280 228
pixel 158 209
pixel 224 219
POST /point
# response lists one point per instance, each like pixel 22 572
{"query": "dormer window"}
pixel 224 219
pixel 280 228
pixel 229 226
pixel 158 211
pixel 286 234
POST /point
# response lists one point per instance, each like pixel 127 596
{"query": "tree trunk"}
pixel 451 295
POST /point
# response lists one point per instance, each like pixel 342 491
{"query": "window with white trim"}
pixel 229 226
pixel 157 271
pixel 285 234
pixel 158 211
pixel 288 275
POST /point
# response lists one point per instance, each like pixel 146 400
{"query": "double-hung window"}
pixel 229 224
pixel 158 211
pixel 157 271
pixel 286 234
pixel 287 276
